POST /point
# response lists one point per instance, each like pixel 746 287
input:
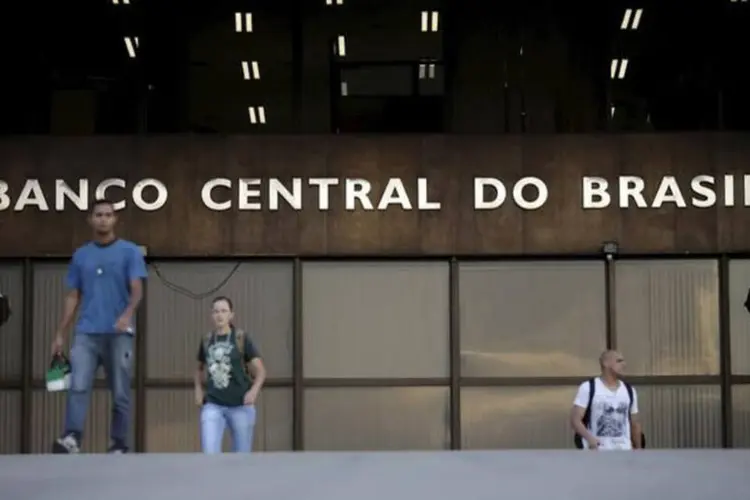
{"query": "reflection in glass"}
pixel 741 416
pixel 516 417
pixel 668 316
pixel 521 319
pixel 370 419
pixel 10 416
pixel 681 416
pixel 739 318
pixel 375 319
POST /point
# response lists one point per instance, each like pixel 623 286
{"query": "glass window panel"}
pixel 516 417
pixel 739 318
pixel 49 297
pixel 684 416
pixel 10 417
pixel 372 419
pixel 48 417
pixel 668 316
pixel 262 295
pixel 172 421
pixel 521 319
pixel 11 286
pixel 741 416
pixel 377 319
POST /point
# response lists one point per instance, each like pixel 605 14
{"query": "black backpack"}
pixel 577 438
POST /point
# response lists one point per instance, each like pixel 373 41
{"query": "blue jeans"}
pixel 115 353
pixel 215 418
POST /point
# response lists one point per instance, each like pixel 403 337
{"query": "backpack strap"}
pixel 587 415
pixel 630 395
pixel 239 339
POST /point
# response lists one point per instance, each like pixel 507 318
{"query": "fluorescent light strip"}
pixel 618 68
pixel 257 115
pixel 131 44
pixel 251 70
pixel 243 22
pixel 427 71
pixel 430 21
pixel 631 15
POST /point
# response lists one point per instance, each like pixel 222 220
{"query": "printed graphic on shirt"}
pixel 609 420
pixel 612 421
pixel 219 363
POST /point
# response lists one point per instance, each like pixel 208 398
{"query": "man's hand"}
pixel 57 344
pixel 593 444
pixel 123 324
pixel 250 397
pixel 199 396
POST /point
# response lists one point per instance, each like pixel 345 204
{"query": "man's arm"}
pixel 136 294
pixel 136 274
pixel 72 298
pixel 579 411
pixel 636 429
pixel 257 369
pixel 576 421
pixel 199 375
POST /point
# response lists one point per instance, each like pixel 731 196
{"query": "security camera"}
pixel 4 309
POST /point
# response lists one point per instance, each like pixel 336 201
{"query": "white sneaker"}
pixel 68 444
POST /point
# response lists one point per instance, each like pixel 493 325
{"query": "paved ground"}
pixel 501 475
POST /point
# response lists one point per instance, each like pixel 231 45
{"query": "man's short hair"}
pixel 604 356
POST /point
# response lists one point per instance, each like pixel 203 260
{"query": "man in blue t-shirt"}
pixel 105 287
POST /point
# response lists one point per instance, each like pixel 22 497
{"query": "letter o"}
pixel 101 191
pixel 541 189
pixel 161 194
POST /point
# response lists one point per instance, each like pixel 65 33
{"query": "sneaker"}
pixel 66 445
pixel 117 448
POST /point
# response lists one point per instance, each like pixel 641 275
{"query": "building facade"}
pixel 422 292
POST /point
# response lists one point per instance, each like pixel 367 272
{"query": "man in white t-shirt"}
pixel 612 422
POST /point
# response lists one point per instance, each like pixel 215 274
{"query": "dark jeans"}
pixel 115 353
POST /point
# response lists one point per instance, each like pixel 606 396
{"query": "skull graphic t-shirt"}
pixel 227 380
